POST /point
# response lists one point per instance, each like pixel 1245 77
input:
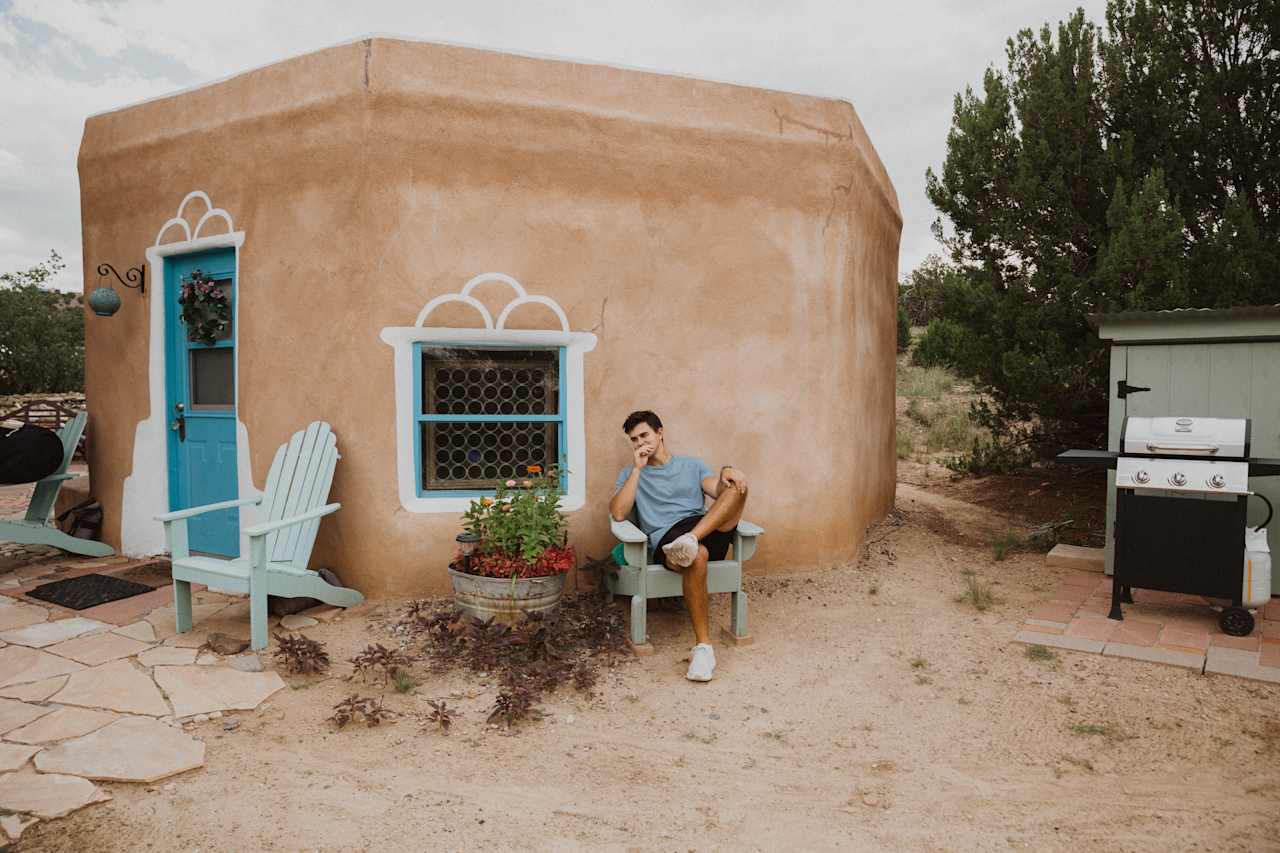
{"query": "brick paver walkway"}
pixel 1161 627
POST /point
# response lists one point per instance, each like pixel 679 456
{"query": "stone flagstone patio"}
pixel 109 693
pixel 1159 627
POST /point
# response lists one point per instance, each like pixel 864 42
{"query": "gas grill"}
pixel 1182 491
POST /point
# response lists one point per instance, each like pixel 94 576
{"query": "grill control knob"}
pixel 1142 477
pixel 1217 481
pixel 1178 478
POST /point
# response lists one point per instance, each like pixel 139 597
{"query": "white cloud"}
pixel 899 63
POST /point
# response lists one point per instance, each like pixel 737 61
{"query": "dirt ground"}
pixel 874 712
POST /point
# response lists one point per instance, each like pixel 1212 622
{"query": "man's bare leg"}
pixel 697 600
pixel 724 514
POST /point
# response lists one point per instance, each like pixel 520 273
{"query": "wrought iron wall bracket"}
pixel 135 277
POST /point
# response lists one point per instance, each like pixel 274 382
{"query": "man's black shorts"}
pixel 717 542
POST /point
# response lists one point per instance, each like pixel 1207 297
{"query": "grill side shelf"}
pixel 1099 458
pixel 1264 467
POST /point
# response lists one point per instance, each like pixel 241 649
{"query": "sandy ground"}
pixel 873 713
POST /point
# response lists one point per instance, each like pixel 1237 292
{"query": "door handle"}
pixel 180 422
pixel 1124 389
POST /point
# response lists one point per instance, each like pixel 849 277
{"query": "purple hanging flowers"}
pixel 206 310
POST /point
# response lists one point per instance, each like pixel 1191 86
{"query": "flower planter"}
pixel 503 599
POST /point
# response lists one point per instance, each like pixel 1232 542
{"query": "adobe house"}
pixel 467 262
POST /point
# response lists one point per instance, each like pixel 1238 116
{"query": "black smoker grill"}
pixel 1182 489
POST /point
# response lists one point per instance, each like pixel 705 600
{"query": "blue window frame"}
pixel 483 414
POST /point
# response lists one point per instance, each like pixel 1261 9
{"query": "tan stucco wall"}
pixel 734 249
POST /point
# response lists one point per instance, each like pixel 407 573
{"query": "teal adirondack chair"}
pixel 643 580
pixel 34 528
pixel 279 548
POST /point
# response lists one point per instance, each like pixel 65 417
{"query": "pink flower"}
pixel 511 484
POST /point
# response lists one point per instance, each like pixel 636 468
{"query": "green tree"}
pixel 1133 169
pixel 41 332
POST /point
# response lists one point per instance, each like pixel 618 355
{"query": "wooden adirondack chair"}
pixel 643 579
pixel 34 528
pixel 279 548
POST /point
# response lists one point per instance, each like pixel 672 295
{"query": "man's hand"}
pixel 641 455
pixel 734 478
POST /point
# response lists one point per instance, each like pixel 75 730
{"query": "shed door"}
pixel 1220 380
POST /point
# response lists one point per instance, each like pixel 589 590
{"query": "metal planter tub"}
pixel 504 599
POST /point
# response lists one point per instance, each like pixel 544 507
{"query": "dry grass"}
pixel 976 592
pixel 929 382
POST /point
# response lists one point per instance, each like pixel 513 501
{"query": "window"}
pixel 478 404
pixel 486 414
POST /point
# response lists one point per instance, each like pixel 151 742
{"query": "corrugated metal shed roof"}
pixel 1096 320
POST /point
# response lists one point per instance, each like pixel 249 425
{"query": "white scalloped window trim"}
pixel 402 339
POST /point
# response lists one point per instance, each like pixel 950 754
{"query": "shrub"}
pixel 904 330
pixel 928 382
pixel 906 445
pixel 939 346
pixel 952 428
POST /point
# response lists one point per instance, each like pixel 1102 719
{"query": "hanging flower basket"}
pixel 206 310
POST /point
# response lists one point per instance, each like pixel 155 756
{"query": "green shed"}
pixel 1220 363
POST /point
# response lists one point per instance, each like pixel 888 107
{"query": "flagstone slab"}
pixel 144 631
pixel 36 691
pixel 20 615
pixel 13 755
pixel 202 689
pixel 14 713
pixel 114 686
pixel 49 633
pixel 98 648
pixel 48 795
pixel 19 664
pixel 62 724
pixel 132 749
pixel 167 656
pixel 163 617
pixel 14 826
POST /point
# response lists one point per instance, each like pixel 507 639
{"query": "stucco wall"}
pixel 734 250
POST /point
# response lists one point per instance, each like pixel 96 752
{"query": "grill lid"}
pixel 1216 438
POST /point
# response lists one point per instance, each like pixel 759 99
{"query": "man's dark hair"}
pixel 636 418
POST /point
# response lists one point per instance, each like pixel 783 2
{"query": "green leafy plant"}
pixel 521 529
pixel 206 308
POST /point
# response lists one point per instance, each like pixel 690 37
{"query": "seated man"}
pixel 667 492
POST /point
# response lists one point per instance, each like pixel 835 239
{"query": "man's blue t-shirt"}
pixel 668 493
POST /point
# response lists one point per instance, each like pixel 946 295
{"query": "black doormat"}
pixel 87 591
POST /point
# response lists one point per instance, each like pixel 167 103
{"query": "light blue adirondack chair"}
pixel 279 548
pixel 34 528
pixel 643 580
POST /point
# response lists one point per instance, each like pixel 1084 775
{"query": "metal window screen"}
pixel 506 383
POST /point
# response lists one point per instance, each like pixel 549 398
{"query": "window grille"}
pixel 486 415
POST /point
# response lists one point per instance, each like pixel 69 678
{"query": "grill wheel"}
pixel 1236 621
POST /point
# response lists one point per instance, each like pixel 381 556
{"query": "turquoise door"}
pixel 200 377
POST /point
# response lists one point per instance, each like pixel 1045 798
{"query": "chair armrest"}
pixel 746 528
pixel 53 478
pixel 201 510
pixel 259 530
pixel 625 531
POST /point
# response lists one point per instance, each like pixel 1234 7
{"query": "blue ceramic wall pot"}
pixel 104 301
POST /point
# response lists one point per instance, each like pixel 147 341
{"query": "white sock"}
pixel 682 550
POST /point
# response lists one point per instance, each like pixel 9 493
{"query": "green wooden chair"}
pixel 34 528
pixel 279 548
pixel 643 579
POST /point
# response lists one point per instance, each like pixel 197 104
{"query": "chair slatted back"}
pixel 299 480
pixel 45 493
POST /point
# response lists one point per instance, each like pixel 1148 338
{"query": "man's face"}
pixel 645 437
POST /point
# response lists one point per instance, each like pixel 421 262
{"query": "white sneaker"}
pixel 702 663
pixel 682 550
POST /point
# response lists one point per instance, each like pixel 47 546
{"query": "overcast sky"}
pixel 900 62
